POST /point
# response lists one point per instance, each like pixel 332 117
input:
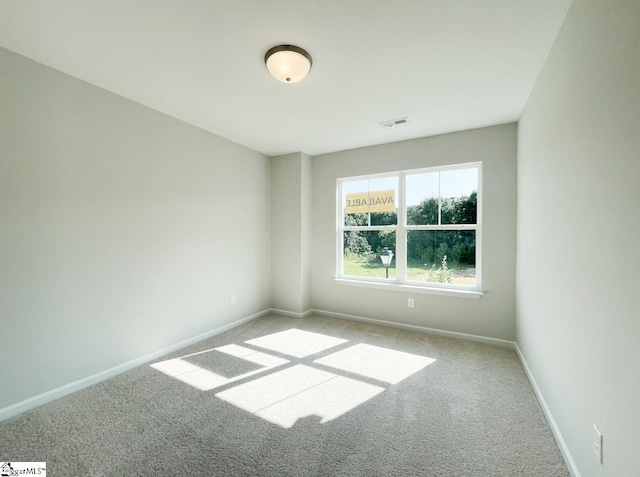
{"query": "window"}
pixel 429 219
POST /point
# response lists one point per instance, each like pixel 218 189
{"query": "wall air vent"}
pixel 394 122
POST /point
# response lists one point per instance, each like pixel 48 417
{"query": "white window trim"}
pixel 400 283
pixel 426 289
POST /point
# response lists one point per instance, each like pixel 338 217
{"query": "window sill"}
pixel 473 294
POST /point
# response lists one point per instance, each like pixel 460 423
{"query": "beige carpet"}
pixel 288 397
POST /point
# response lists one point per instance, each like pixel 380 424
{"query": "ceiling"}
pixel 447 65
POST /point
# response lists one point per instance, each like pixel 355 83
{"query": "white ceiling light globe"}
pixel 288 63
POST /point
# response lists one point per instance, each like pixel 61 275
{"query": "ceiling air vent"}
pixel 394 122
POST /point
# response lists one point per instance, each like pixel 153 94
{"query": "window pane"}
pixel 362 253
pixel 442 256
pixel 422 199
pixel 370 202
pixel 459 195
pixel 445 197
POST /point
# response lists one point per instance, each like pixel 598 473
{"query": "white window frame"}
pixel 401 282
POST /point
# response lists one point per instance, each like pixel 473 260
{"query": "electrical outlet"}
pixel 233 299
pixel 410 303
pixel 597 443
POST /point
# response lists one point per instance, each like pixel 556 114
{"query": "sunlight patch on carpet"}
pixel 383 364
pixel 295 342
pixel 300 387
pixel 298 392
pixel 204 376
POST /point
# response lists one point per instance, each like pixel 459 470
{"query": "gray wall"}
pixel 578 289
pixel 122 230
pixel 291 232
pixel 494 314
pixel 306 229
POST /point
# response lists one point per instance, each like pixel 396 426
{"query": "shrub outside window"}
pixel 430 219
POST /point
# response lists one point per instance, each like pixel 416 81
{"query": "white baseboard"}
pixel 421 329
pixel 573 468
pixel 293 314
pixel 40 399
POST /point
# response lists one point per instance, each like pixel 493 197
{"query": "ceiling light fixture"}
pixel 288 63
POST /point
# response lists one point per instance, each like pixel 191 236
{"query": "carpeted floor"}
pixel 288 397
